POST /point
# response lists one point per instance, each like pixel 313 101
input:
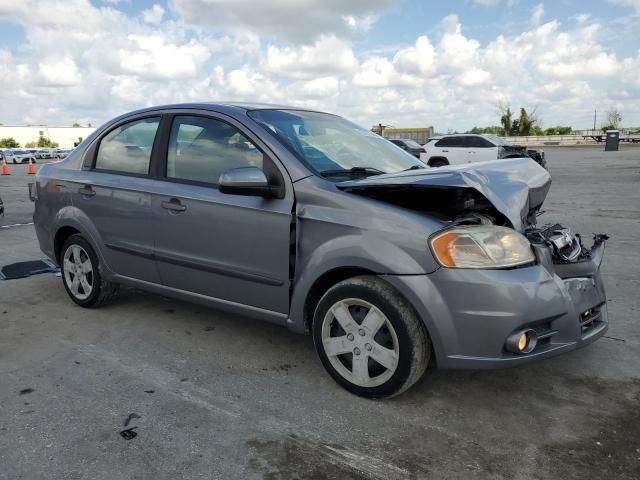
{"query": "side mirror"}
pixel 249 181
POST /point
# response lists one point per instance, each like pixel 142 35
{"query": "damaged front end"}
pixel 558 300
pixel 563 251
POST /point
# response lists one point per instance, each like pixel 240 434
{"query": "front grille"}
pixel 591 319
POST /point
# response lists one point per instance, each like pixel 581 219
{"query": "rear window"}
pixel 127 148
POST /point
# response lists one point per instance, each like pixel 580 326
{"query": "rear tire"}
pixel 438 162
pixel 81 276
pixel 369 338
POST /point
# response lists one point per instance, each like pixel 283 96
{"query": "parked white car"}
pixel 21 156
pixel 461 148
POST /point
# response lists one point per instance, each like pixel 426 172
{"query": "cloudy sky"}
pixel 399 62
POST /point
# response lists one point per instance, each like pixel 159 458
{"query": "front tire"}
pixel 81 274
pixel 369 338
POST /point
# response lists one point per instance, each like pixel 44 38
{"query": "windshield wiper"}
pixel 355 171
pixel 414 167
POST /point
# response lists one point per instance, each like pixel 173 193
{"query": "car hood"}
pixel 516 187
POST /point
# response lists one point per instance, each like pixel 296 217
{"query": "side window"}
pixel 478 142
pixel 450 142
pixel 127 149
pixel 201 149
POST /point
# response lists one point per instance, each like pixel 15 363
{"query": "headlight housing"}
pixel 481 246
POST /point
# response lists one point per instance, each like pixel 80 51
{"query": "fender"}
pixel 366 250
pixel 71 216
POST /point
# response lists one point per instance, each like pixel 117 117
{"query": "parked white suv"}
pixel 470 148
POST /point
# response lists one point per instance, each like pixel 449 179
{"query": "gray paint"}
pixel 233 251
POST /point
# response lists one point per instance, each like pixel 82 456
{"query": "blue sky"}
pixel 400 62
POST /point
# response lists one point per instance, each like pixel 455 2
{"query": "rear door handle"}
pixel 173 205
pixel 445 151
pixel 87 191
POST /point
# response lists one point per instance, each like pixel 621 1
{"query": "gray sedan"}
pixel 306 220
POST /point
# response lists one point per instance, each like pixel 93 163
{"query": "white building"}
pixel 65 136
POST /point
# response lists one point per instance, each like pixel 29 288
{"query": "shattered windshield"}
pixel 333 146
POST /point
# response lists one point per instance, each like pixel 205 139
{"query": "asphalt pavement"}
pixel 212 395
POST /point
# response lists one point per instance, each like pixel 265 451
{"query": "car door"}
pixel 112 191
pixel 453 149
pixel 480 149
pixel 231 248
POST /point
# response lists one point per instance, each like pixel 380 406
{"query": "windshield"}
pixel 19 152
pixel 333 146
pixel 499 141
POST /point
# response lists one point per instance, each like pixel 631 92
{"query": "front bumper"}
pixel 470 313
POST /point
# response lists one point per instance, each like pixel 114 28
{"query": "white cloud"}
pixel 152 57
pixel 58 72
pixel 86 62
pixel 284 19
pixel 327 55
pixel 582 17
pixel 536 14
pixel 417 59
pixel 154 14
pixel 487 3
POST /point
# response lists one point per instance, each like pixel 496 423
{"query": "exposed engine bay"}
pixel 507 193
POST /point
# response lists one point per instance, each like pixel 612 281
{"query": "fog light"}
pixel 522 342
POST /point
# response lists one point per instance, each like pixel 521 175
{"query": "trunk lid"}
pixel 515 187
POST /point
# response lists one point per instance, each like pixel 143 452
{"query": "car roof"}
pixel 222 107
pixel 464 135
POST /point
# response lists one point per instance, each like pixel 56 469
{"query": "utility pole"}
pixel 595 113
pixel 381 129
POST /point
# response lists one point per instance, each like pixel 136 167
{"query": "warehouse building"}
pixel 66 137
pixel 420 134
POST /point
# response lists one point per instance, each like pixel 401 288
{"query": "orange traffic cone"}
pixel 31 168
pixel 5 167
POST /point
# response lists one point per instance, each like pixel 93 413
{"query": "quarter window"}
pixel 201 149
pixel 127 149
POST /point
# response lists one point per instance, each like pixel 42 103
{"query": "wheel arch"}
pixel 61 236
pixel 322 284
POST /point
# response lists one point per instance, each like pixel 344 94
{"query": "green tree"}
pixel 9 142
pixel 614 118
pixel 506 121
pixel 30 145
pixel 76 125
pixel 495 130
pixel 45 143
pixel 526 122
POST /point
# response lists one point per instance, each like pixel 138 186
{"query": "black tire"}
pixel 438 162
pixel 414 347
pixel 102 291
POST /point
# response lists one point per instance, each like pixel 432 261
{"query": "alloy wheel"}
pixel 360 342
pixel 78 271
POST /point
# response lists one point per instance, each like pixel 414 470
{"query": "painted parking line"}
pixel 16 225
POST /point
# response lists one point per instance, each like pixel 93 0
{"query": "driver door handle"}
pixel 174 205
pixel 87 191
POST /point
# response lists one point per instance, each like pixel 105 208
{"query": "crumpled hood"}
pixel 516 187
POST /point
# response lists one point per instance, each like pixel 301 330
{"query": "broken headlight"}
pixel 481 246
